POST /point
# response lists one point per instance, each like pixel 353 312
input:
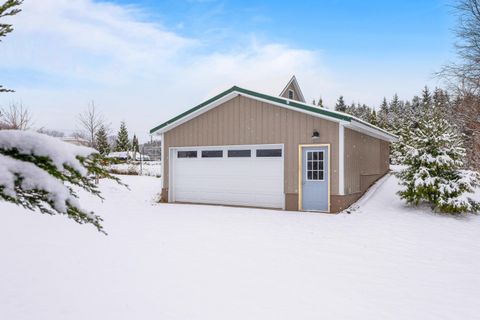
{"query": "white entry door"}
pixel 231 175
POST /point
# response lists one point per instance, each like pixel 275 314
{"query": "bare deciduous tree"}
pixel 464 76
pixel 15 117
pixel 90 122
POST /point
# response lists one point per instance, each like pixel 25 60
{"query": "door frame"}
pixel 300 171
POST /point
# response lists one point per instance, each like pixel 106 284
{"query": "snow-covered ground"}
pixel 166 261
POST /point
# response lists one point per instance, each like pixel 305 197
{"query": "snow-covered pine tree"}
pixel 122 143
pixel 433 173
pixel 426 102
pixel 441 103
pixel 351 109
pixel 373 119
pixel 8 8
pixel 340 105
pixel 40 172
pixel 383 114
pixel 102 141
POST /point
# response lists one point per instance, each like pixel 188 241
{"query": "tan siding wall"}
pixel 366 159
pixel 246 121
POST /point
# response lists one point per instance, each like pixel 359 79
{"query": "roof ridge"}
pixel 281 100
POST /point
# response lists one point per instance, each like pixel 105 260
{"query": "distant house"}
pixel 128 155
pixel 246 148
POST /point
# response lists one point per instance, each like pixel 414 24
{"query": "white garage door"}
pixel 232 175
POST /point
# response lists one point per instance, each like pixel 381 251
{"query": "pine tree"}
pixel 122 143
pixel 373 118
pixel 102 141
pixel 441 104
pixel 351 109
pixel 395 112
pixel 383 115
pixel 40 172
pixel 135 146
pixel 340 106
pixel 9 8
pixel 320 103
pixel 433 175
pixel 426 103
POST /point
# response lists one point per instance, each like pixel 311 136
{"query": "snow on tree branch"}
pixel 40 172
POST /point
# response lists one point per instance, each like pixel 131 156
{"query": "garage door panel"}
pixel 235 181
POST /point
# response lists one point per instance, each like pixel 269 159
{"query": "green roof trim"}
pixel 280 100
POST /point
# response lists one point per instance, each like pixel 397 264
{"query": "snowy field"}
pixel 147 168
pixel 164 261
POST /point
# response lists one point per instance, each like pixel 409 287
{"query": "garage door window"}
pixel 239 153
pixel 315 166
pixel 187 154
pixel 212 154
pixel 263 153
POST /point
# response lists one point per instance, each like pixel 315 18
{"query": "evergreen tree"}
pixel 373 118
pixel 39 173
pixel 351 109
pixel 394 108
pixel 426 103
pixel 441 104
pixel 122 143
pixel 135 145
pixel 433 175
pixel 383 114
pixel 340 105
pixel 320 103
pixel 102 141
pixel 8 8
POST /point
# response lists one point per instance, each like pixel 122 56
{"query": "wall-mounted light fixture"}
pixel 315 134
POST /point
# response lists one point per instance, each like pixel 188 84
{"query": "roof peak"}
pixel 292 90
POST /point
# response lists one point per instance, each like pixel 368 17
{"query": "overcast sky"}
pixel 145 61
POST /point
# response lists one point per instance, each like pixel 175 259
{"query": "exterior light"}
pixel 315 134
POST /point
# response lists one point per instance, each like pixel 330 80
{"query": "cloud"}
pixel 64 53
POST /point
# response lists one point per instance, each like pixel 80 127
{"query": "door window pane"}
pixel 239 153
pixel 187 154
pixel 269 152
pixel 212 154
pixel 315 166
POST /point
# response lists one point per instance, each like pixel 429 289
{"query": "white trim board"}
pixel 341 159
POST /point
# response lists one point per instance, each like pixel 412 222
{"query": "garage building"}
pixel 245 148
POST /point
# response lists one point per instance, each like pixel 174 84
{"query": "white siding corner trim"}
pixel 162 157
pixel 341 159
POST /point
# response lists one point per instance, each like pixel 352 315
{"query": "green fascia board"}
pixel 286 102
pixel 297 105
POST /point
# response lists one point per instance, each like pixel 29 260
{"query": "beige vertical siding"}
pixel 247 121
pixel 366 159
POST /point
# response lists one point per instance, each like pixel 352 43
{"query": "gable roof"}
pixel 340 117
pixel 293 82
